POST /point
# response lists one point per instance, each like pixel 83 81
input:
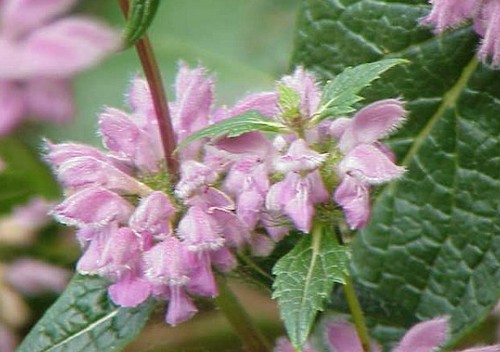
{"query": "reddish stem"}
pixel 153 77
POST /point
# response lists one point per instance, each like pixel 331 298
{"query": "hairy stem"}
pixel 239 318
pixel 357 314
pixel 153 76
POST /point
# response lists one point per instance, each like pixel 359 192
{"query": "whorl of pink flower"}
pixel 148 237
pixel 427 336
pixel 40 52
pixel 485 15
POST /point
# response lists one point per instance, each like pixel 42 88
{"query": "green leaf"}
pixel 305 278
pixel 289 101
pixel 235 126
pixel 433 243
pixel 140 16
pixel 84 319
pixel 25 175
pixel 340 94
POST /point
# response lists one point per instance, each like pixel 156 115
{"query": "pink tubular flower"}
pixel 150 237
pixel 366 161
pixel 485 15
pixel 40 53
pixel 426 336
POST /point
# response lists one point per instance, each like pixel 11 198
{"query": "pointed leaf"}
pixel 340 94
pixel 236 126
pixel 84 319
pixel 305 278
pixel 140 16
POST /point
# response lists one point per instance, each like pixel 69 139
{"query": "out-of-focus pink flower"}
pixel 426 336
pixel 40 52
pixel 31 277
pixel 485 15
pixel 21 225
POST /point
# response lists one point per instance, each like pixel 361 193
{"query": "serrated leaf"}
pixel 235 126
pixel 140 16
pixel 84 319
pixel 305 278
pixel 433 244
pixel 340 94
pixel 289 101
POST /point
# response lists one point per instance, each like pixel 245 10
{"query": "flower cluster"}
pixel 155 234
pixel 485 15
pixel 427 336
pixel 40 53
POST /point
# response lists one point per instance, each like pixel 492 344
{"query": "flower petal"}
pixel 372 123
pixel 50 99
pixel 93 206
pixel 68 46
pixel 369 164
pixel 353 196
pixel 20 16
pixel 424 336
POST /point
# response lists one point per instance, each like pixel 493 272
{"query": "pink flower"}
pixel 485 15
pixel 40 53
pixel 422 337
pixel 366 161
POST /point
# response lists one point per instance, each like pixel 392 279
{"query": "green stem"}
pixel 153 76
pixel 357 314
pixel 239 318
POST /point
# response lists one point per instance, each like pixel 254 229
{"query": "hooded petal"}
pixel 300 207
pixel 58 154
pixel 153 214
pixel 88 171
pixel 93 206
pixel 369 164
pixel 372 123
pixel 68 46
pixel 193 102
pixel 180 308
pixel 354 197
pixel 342 337
pixel 122 135
pixel 199 230
pixel 202 280
pixel 50 99
pixel 129 291
pixel 193 175
pixel 168 263
pixel 20 16
pixel 300 158
pixel 425 336
pixel 265 103
pixel 12 106
pixel 252 143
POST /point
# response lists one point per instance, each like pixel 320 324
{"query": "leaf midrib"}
pixel 88 328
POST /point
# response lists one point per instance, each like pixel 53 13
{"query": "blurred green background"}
pixel 247 44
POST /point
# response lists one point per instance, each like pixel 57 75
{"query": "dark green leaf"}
pixel 433 244
pixel 235 126
pixel 340 94
pixel 83 319
pixel 305 278
pixel 140 16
